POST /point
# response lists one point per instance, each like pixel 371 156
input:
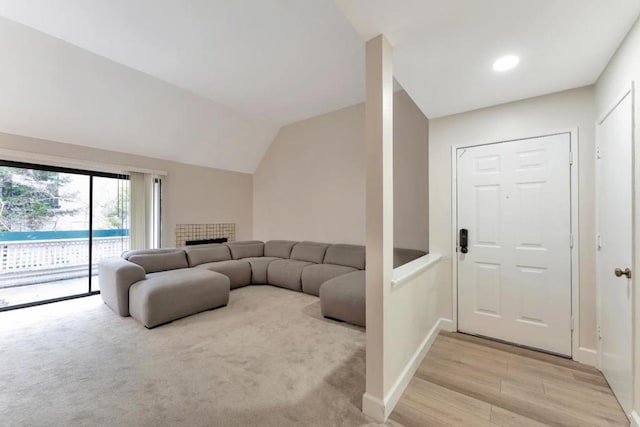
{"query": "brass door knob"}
pixel 619 272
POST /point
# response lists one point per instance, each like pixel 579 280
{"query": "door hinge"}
pixel 570 157
pixel 571 241
pixel 598 153
pixel 598 242
pixel 599 332
pixel 572 324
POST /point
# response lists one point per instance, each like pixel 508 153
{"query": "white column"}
pixel 379 229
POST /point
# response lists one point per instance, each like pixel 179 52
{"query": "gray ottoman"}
pixel 169 295
pixel 343 298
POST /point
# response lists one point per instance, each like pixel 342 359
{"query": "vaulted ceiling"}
pixel 210 82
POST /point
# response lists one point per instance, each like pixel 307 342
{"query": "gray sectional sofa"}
pixel 157 286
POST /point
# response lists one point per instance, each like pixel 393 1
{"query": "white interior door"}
pixel 514 283
pixel 615 202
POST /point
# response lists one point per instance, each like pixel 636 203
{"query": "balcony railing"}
pixel 25 262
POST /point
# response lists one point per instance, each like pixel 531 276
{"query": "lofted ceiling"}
pixel 444 50
pixel 210 82
pixel 205 82
pixel 56 91
pixel 276 60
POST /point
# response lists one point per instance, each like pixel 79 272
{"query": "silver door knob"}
pixel 620 272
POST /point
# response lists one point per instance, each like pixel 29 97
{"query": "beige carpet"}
pixel 267 359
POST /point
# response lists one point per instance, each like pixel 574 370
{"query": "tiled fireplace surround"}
pixel 186 232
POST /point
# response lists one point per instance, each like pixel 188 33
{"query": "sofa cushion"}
pixel 201 254
pixel 259 266
pixel 169 273
pixel 347 255
pixel 286 273
pixel 246 249
pixel 403 256
pixel 313 276
pixel 343 298
pixel 309 252
pixel 170 295
pixel 133 252
pixel 160 260
pixel 238 271
pixel 278 248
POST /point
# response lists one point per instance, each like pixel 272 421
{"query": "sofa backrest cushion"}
pixel 347 255
pixel 246 249
pixel 160 260
pixel 309 251
pixel 279 248
pixel 133 252
pixel 201 254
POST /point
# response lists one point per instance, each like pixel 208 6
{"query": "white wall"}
pixel 191 194
pixel 556 112
pixel 311 183
pixel 412 322
pixel 624 68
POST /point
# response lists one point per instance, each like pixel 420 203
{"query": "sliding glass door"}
pixel 55 226
pixel 110 221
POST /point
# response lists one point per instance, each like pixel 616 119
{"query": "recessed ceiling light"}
pixel 506 63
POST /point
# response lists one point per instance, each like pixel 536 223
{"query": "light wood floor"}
pixel 470 381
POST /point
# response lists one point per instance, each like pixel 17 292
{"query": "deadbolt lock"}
pixel 619 272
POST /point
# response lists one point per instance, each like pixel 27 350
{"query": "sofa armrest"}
pixel 116 275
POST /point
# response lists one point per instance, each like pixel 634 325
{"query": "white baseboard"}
pixel 373 408
pixel 635 419
pixel 587 356
pixel 394 395
pixel 380 410
pixel 447 325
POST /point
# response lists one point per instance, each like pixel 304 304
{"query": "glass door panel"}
pixel 44 234
pixel 110 222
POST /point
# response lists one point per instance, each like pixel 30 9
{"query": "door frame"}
pixel 629 90
pixel 576 354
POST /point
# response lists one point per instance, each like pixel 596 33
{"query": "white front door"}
pixel 514 283
pixel 615 204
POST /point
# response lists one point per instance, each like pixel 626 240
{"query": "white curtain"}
pixel 123 209
pixel 144 225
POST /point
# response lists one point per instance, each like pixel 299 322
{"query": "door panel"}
pixel 488 217
pixel 514 283
pixel 531 302
pixel 111 225
pixel 487 289
pixel 530 214
pixel 44 238
pixel 615 198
